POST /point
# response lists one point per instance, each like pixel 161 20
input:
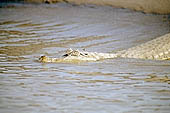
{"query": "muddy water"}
pixel 107 86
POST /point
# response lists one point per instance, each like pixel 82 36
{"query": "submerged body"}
pixel 157 49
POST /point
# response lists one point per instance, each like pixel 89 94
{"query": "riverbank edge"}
pixel 146 6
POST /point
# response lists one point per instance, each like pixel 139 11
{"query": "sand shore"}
pixel 147 6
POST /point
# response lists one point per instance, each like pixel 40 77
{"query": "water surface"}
pixel 107 86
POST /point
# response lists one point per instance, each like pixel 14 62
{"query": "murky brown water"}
pixel 108 86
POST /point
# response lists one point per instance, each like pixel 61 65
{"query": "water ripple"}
pixel 120 85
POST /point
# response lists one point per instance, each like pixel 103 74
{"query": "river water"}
pixel 28 31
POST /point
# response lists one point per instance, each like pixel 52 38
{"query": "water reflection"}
pixel 121 85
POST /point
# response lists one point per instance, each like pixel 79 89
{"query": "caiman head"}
pixel 70 56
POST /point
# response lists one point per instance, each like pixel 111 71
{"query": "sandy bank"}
pixel 147 6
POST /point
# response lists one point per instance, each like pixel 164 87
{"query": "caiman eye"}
pixel 65 55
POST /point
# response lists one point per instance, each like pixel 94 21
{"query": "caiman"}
pixel 156 49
